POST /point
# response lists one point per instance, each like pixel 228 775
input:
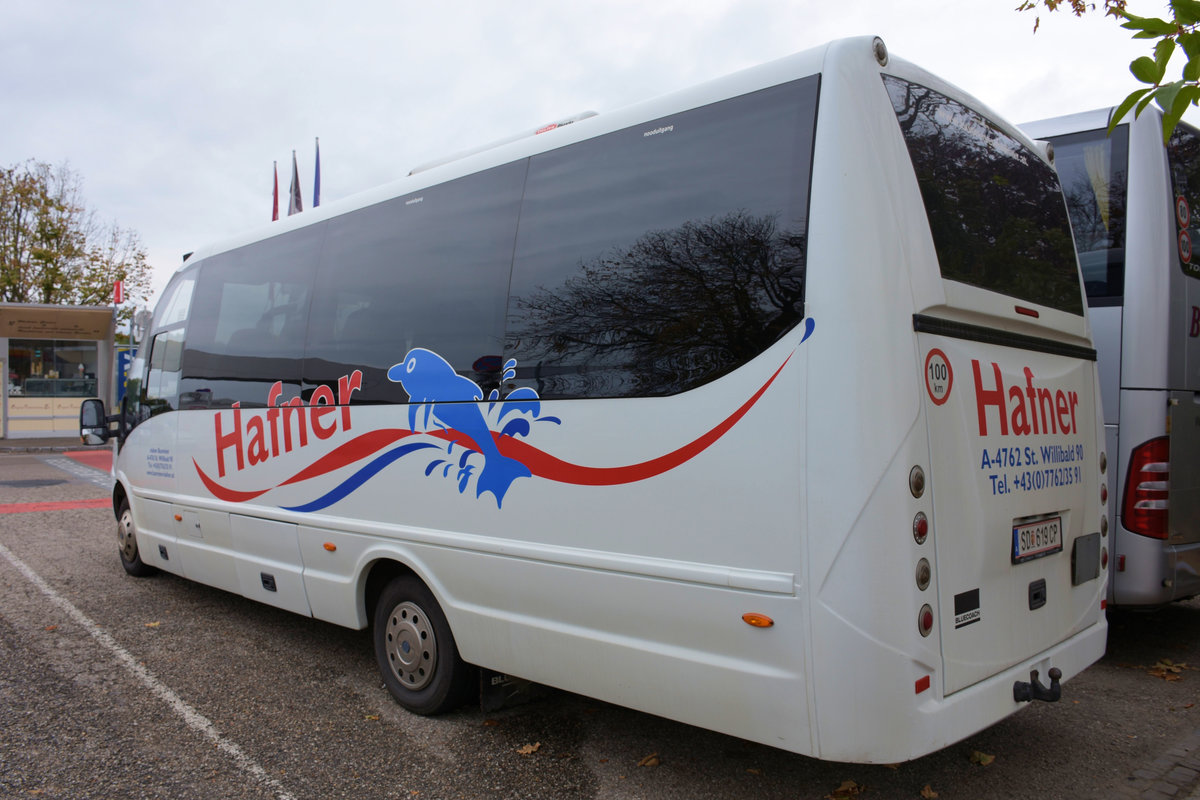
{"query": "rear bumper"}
pixel 933 722
pixel 983 704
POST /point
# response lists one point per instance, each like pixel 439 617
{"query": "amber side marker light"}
pixel 758 620
pixel 1028 312
pixel 330 546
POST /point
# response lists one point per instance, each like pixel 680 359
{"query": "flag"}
pixel 317 179
pixel 295 204
pixel 275 196
pixel 118 292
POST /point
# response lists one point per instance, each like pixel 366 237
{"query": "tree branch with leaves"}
pixel 1179 32
pixel 54 250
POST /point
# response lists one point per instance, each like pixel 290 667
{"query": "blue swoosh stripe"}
pixel 359 478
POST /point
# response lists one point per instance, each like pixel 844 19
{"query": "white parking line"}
pixel 96 476
pixel 194 719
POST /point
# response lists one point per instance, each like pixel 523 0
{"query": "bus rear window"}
pixel 994 207
pixel 1092 167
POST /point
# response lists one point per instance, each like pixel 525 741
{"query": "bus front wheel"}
pixel 131 559
pixel 416 651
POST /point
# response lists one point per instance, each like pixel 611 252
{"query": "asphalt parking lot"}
pixel 115 687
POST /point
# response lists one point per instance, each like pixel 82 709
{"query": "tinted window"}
pixel 428 270
pixel 154 375
pixel 662 256
pixel 248 320
pixel 161 390
pixel 1092 167
pixel 994 207
pixel 1183 155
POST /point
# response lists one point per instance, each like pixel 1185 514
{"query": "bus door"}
pixel 1183 419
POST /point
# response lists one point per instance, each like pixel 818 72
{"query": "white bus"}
pixel 1131 203
pixel 768 406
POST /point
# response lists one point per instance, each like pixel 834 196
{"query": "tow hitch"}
pixel 1026 692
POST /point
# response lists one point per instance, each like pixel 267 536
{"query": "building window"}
pixel 50 368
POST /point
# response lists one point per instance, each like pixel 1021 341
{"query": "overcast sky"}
pixel 173 113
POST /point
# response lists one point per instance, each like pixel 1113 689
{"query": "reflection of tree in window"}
pixel 1099 220
pixel 995 208
pixel 676 309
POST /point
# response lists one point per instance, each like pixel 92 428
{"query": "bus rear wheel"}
pixel 416 652
pixel 131 559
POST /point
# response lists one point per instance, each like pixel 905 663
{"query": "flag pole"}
pixel 275 196
pixel 317 178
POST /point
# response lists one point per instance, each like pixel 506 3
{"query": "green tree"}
pixel 55 250
pixel 1178 33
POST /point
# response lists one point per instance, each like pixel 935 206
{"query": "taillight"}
pixel 925 620
pixel 1144 506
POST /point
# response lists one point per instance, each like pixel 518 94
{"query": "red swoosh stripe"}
pixel 354 450
pixel 547 466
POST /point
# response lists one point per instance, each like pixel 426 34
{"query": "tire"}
pixel 131 558
pixel 416 652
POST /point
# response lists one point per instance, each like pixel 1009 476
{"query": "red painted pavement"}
pixel 100 459
pixel 59 505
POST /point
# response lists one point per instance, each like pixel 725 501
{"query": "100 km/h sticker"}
pixel 939 377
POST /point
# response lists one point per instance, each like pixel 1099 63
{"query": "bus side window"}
pixel 429 269
pixel 657 258
pixel 161 392
pixel 248 321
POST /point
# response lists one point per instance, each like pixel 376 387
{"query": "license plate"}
pixel 1036 539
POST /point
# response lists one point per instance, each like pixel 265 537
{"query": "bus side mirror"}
pixel 93 424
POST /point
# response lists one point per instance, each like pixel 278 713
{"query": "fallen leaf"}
pixel 928 793
pixel 754 771
pixel 371 716
pixel 1168 670
pixel 529 749
pixel 491 723
pixel 650 761
pixel 847 790
pixel 892 766
pixel 981 758
pixel 604 761
pixel 50 628
pixel 153 624
pixel 1189 705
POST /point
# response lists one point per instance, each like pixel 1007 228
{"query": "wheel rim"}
pixel 125 536
pixel 411 646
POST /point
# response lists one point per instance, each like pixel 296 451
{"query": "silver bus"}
pixel 1135 210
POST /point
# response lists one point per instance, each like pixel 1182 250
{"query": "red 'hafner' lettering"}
pixel 1022 410
pixel 285 425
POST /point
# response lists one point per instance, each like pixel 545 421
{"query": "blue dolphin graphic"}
pixel 451 399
